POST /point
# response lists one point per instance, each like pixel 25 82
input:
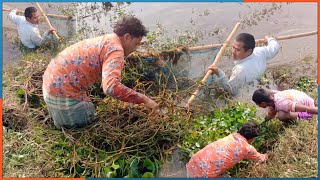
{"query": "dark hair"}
pixel 247 40
pixel 261 95
pixel 249 130
pixel 28 12
pixel 131 25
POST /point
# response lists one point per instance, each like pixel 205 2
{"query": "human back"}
pixel 79 66
pixel 221 155
pixel 285 100
pixel 211 152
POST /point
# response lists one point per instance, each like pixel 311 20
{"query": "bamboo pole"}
pixel 218 57
pixel 49 15
pixel 292 36
pixel 47 20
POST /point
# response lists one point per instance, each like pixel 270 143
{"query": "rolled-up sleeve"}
pixel 111 79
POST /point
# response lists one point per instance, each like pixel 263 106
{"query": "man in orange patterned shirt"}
pixel 78 67
pixel 214 159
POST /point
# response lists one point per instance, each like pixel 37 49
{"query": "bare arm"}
pixel 270 114
pixel 253 155
pixel 303 108
pixel 112 86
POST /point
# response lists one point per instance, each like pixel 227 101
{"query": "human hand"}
pixel 213 69
pixel 266 37
pixel 265 159
pixel 152 106
pixel 16 10
pixel 261 161
pixel 51 30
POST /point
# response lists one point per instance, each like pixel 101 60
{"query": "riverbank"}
pixel 33 148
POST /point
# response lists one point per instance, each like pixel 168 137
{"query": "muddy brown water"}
pixel 291 18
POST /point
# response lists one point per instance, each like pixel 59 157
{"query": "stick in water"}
pixel 46 18
pixel 218 57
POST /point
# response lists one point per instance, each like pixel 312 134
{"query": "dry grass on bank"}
pixel 294 155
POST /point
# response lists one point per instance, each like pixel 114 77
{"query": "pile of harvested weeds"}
pixel 121 131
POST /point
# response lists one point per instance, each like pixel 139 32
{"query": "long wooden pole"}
pixel 49 15
pixel 198 48
pixel 290 36
pixel 218 57
pixel 47 20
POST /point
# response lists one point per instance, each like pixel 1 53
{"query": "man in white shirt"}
pixel 250 62
pixel 27 27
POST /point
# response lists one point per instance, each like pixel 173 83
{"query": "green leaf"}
pixel 148 175
pixel 115 166
pixel 20 93
pixel 149 164
pixel 79 169
pixel 197 145
pixel 111 174
pixel 134 172
pixel 105 171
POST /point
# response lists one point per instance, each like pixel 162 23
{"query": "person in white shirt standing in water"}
pixel 250 62
pixel 27 27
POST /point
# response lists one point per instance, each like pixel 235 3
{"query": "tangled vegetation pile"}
pixel 123 141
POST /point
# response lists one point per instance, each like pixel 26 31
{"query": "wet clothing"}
pixel 69 113
pixel 286 101
pixel 249 69
pixel 29 33
pixel 219 156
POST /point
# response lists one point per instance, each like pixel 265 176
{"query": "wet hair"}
pixel 29 11
pixel 247 40
pixel 261 95
pixel 131 25
pixel 249 130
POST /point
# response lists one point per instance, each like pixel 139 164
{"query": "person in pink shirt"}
pixel 216 158
pixel 74 70
pixel 285 105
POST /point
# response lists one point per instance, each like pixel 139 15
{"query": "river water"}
pixel 288 19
